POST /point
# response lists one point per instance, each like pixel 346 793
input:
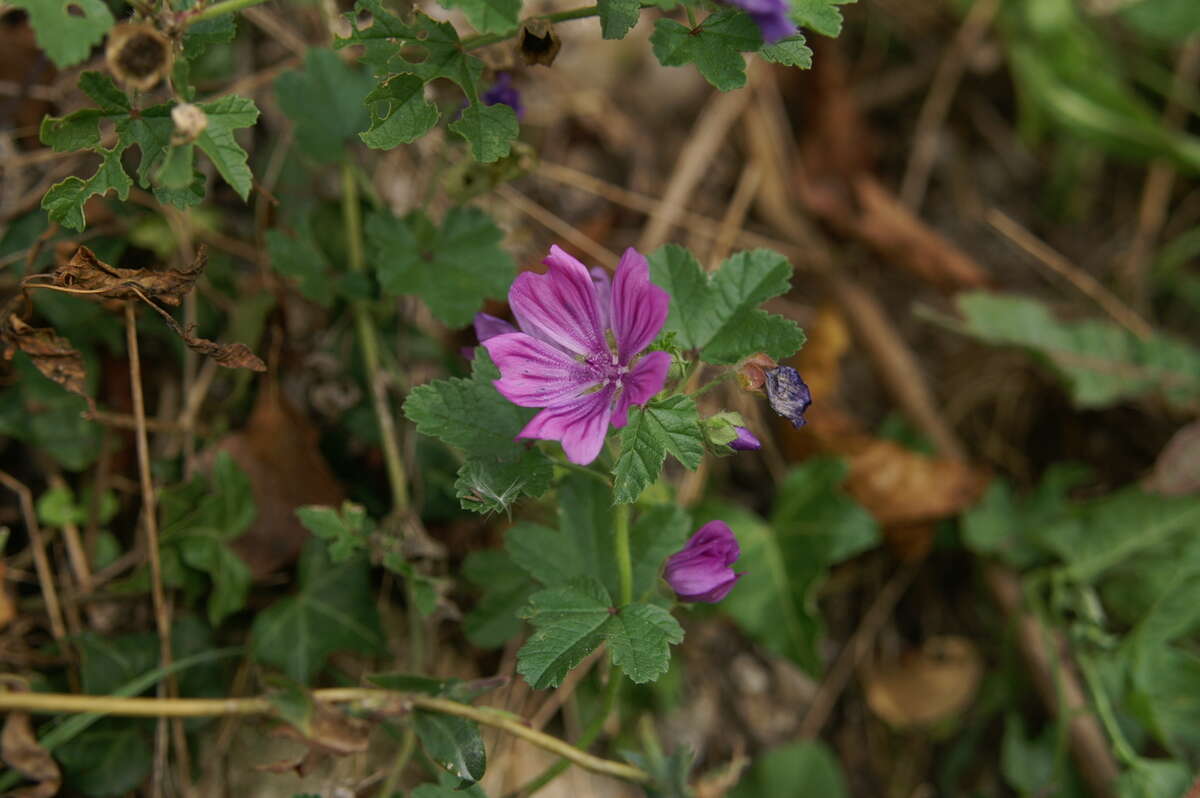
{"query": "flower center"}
pixel 607 369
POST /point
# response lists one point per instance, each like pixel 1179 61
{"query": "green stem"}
pixel 352 220
pixel 586 739
pixel 583 12
pixel 219 9
pixel 713 383
pixel 1120 743
pixel 624 560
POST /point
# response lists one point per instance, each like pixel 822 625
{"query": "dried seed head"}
pixel 190 121
pixel 138 55
pixel 538 42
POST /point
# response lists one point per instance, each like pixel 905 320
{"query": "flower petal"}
pixel 639 307
pixel 580 424
pixel 535 374
pixel 603 285
pixel 489 326
pixel 645 380
pixel 560 307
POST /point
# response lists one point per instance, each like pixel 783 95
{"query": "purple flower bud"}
pixel 745 441
pixel 788 395
pixel 488 326
pixel 771 16
pixel 700 571
pixel 502 91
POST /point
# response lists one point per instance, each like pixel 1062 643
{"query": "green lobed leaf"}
pixel 506 590
pixel 64 201
pixel 493 484
pixel 225 115
pixel 489 16
pixel 111 758
pixel 820 16
pixel 346 531
pixel 332 610
pixel 66 32
pixel 227 571
pixel 489 129
pixel 792 51
pixel 469 413
pixel 454 743
pixel 640 638
pixel 453 267
pixel 569 623
pixel 300 257
pixel 807 767
pixel 617 17
pixel 1102 363
pixel 719 314
pixel 399 113
pixel 325 103
pixel 715 46
pixel 667 425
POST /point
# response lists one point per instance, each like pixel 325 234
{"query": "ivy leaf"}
pixel 64 201
pixel 454 743
pixel 325 102
pixel 66 32
pixel 719 314
pixel 111 758
pixel 225 115
pixel 569 623
pixel 453 268
pixel 489 129
pixel 493 484
pixel 715 46
pixel 469 413
pixel 333 610
pixel 820 16
pixel 399 113
pixel 230 577
pixel 346 531
pixel 617 17
pixel 489 16
pixel 669 425
pixel 639 637
pixel 792 51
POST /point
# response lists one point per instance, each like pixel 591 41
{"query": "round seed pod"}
pixel 538 42
pixel 138 55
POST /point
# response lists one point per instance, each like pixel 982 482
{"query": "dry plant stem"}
pixel 1160 179
pixel 162 618
pixel 564 691
pixel 368 698
pixel 40 561
pixel 557 225
pixel 1084 282
pixel 76 552
pixel 1057 683
pixel 937 101
pixel 694 162
pixel 735 214
pixel 855 650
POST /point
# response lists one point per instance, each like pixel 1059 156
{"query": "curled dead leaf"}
pixel 21 751
pixel 85 273
pixel 231 356
pixel 925 685
pixel 53 355
pixel 327 731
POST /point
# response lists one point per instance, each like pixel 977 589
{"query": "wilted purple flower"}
pixel 502 91
pixel 771 16
pixel 745 441
pixel 788 395
pixel 577 353
pixel 700 571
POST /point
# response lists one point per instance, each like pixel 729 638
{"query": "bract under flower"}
pixel 577 354
pixel 700 571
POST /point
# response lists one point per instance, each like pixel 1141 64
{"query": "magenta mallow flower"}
pixel 745 441
pixel 700 571
pixel 771 16
pixel 577 354
pixel 503 91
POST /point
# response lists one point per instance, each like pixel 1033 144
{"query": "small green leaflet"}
pixel 325 102
pixel 453 267
pixel 346 531
pixel 715 46
pixel 493 484
pixel 64 201
pixel 333 610
pixel 820 16
pixel 792 51
pixel 454 743
pixel 67 31
pixel 719 314
pixel 571 620
pixel 617 17
pixel 399 113
pixel 300 257
pixel 489 129
pixel 489 16
pixel 669 425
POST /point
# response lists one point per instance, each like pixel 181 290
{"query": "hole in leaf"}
pixel 75 10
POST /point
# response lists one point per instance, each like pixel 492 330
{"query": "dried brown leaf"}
pixel 8 607
pixel 1177 470
pixel 20 750
pixel 231 356
pixel 926 685
pixel 86 273
pixel 53 355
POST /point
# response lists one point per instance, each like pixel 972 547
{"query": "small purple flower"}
pixel 489 326
pixel 771 16
pixel 788 395
pixel 700 571
pixel 577 354
pixel 745 441
pixel 502 91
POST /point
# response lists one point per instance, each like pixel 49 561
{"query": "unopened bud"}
pixel 190 121
pixel 752 374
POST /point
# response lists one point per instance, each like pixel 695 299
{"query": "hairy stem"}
pixel 220 9
pixel 366 697
pixel 624 560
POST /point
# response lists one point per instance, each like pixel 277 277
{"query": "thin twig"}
pixel 558 226
pixel 40 560
pixel 735 213
pixel 162 617
pixel 368 698
pixel 1084 282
